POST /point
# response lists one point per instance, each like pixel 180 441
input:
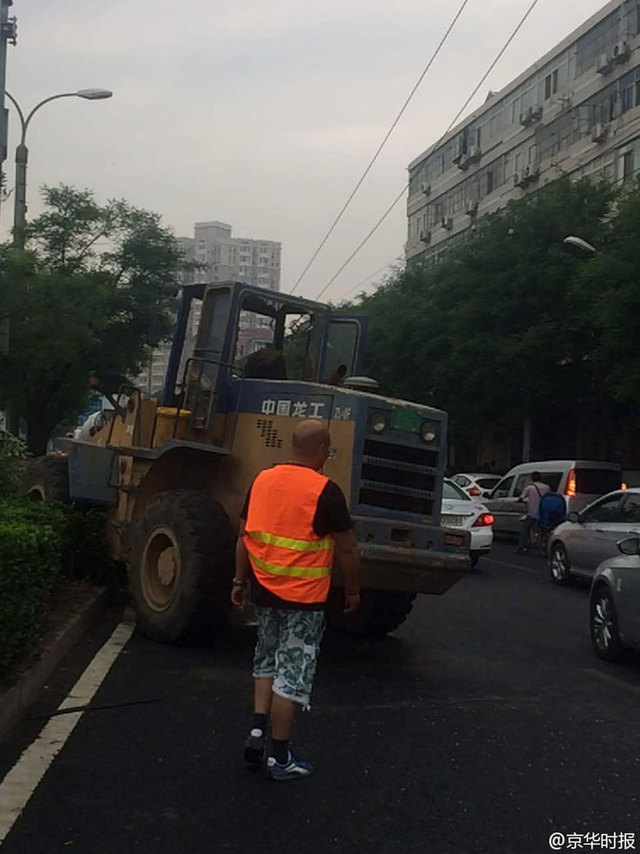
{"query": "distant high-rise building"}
pixel 240 259
pixel 219 257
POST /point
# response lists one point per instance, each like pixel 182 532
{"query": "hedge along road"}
pixel 483 725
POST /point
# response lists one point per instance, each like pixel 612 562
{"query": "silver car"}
pixel 580 481
pixel 615 602
pixel 579 545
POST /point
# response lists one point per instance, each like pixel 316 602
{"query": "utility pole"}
pixel 8 34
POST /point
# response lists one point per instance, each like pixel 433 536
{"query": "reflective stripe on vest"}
pixel 289 543
pixel 287 556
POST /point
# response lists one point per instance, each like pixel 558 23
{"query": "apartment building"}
pixel 240 259
pixel 576 111
pixel 220 257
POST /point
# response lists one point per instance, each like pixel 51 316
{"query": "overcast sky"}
pixel 260 113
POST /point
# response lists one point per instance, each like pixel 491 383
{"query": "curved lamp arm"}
pixel 89 94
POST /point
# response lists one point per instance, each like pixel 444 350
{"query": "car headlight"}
pixel 429 431
pixel 377 422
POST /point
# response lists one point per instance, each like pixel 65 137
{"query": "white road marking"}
pixel 23 779
pixel 510 565
pixel 613 680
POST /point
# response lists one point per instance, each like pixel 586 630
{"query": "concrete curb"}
pixel 24 693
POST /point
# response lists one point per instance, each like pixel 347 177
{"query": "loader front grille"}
pixel 398 477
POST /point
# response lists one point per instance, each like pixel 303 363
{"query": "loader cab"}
pixel 229 332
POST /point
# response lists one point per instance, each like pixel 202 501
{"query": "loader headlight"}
pixel 429 431
pixel 377 422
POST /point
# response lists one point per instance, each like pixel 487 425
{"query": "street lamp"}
pixel 580 244
pixel 22 156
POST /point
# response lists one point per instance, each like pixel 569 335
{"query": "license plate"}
pixel 406 419
pixel 452 521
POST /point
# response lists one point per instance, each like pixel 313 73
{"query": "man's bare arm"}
pixel 349 561
pixel 240 592
pixel 243 567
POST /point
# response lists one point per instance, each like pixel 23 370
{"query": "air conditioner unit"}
pixel 621 51
pixel 516 180
pixel 471 208
pixel 425 188
pixel 534 171
pixel 425 236
pixel 603 63
pixel 447 222
pixel 600 132
pixel 531 115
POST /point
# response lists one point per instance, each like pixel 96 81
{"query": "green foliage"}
pixel 512 324
pixel 40 544
pixel 12 454
pixel 91 293
pixel 31 545
pixel 82 534
pixel 86 553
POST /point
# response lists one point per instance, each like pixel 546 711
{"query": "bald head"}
pixel 311 442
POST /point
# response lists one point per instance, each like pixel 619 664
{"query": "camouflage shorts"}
pixel 287 650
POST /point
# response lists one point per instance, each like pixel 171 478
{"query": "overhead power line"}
pixel 451 125
pixel 382 144
pixel 371 276
pixel 364 241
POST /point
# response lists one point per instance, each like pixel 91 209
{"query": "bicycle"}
pixel 539 538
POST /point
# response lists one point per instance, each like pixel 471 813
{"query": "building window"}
pixel 596 41
pixel 489 182
pixel 550 84
pixel 627 164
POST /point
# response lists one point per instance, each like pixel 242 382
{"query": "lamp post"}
pixel 22 156
pixel 580 244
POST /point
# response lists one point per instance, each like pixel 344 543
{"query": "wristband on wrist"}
pixel 239 582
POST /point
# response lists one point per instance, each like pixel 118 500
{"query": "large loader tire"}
pixel 380 612
pixel 47 479
pixel 181 566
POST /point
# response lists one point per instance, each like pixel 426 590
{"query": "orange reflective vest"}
pixel 288 558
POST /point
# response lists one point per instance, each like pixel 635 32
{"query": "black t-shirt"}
pixel 331 517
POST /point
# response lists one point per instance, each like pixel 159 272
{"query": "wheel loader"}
pixel 173 473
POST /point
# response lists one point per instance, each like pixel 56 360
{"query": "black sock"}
pixel 260 721
pixel 280 751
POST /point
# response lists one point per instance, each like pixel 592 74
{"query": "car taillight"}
pixel 474 491
pixel 623 486
pixel 570 488
pixel 482 520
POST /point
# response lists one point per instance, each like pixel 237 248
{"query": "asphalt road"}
pixel 482 725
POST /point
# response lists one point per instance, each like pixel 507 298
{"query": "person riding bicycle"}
pixel 531 496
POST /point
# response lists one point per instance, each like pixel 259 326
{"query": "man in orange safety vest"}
pixel 294 520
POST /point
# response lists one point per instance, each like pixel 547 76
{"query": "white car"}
pixel 460 511
pixel 476 485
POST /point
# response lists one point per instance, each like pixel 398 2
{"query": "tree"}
pixel 489 333
pixel 92 291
